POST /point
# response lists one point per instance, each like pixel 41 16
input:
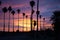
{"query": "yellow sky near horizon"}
pixel 26 25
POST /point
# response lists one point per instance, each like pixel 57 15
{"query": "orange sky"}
pixel 46 8
pixel 47 25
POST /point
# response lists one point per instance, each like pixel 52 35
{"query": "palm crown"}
pixel 32 3
pixel 13 12
pixel 4 9
pixel 18 11
pixel 9 8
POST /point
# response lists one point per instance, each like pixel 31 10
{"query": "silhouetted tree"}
pixel 26 21
pixel 56 23
pixel 4 11
pixel 23 20
pixel 18 11
pixel 9 9
pixel 13 12
pixel 32 3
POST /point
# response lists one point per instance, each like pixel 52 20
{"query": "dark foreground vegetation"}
pixel 33 35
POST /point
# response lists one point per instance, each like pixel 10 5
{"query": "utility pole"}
pixel 37 12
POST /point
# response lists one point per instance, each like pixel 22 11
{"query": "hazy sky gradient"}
pixel 46 8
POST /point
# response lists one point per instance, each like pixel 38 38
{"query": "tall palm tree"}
pixel 18 11
pixel 13 12
pixel 40 22
pixel 9 9
pixel 32 3
pixel 26 21
pixel 23 20
pixel 4 11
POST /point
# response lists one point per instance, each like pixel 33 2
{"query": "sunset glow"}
pixel 45 7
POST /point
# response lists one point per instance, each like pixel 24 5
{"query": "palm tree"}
pixel 32 3
pixel 18 11
pixel 40 22
pixel 23 20
pixel 9 9
pixel 13 12
pixel 26 21
pixel 4 11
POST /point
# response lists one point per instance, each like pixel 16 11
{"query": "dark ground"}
pixel 41 35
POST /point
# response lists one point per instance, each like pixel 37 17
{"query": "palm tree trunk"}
pixel 13 23
pixel 26 24
pixel 31 22
pixel 43 24
pixel 4 24
pixel 31 18
pixel 37 22
pixel 9 23
pixel 18 21
pixel 23 23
